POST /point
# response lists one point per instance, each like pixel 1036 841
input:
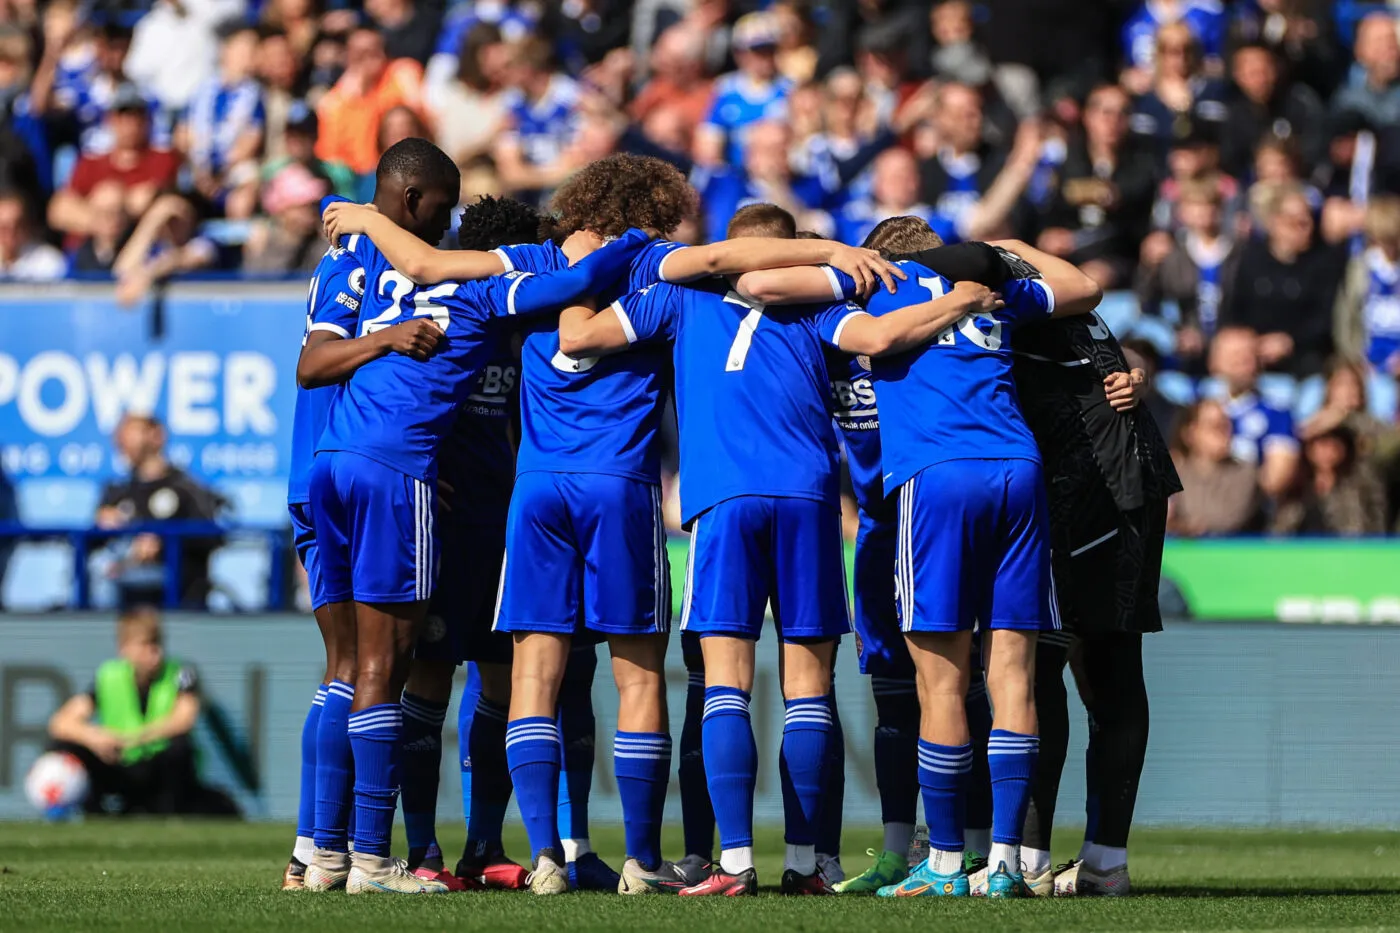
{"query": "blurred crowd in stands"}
pixel 1235 166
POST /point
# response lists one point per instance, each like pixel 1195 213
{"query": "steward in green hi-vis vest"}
pixel 119 703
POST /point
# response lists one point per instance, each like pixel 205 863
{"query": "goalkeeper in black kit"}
pixel 1109 475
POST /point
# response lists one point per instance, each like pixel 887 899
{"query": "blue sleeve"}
pixel 648 266
pixel 843 287
pixel 335 299
pixel 1280 424
pixel 649 313
pixel 832 319
pixel 713 117
pixel 1027 301
pixel 520 293
pixel 526 257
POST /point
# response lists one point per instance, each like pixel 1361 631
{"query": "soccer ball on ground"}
pixel 57 784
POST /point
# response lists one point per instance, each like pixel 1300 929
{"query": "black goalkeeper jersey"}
pixel 1060 368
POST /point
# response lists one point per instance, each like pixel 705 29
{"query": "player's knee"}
pixel 495 682
pixel 431 680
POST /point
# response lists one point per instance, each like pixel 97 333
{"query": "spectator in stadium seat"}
pixel 24 257
pixel 279 72
pixel 410 28
pixel 964 169
pixel 165 243
pixel 73 87
pixel 1221 494
pixel 143 171
pixel 1335 492
pixel 533 152
pixel 1194 159
pixel 349 114
pixel 766 176
pixel 1366 318
pixel 1261 434
pixel 1373 90
pixel 223 128
pixel 894 192
pixel 1180 96
pixel 586 32
pixel 289 240
pixel 1103 207
pixel 469 110
pixel 155 491
pixel 175 48
pixel 1263 104
pixel 1143 354
pixel 133 728
pixel 108 228
pixel 1286 285
pixel 1204 18
pixel 677 82
pixel 1345 402
pixel 743 98
pixel 299 145
pixel 1301 35
pixel 297 20
pixel 1201 257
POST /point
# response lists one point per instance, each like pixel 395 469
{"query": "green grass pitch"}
pixel 202 876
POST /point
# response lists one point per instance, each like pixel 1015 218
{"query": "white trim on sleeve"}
pixel 1049 293
pixel 330 328
pixel 504 257
pixel 625 321
pixel 661 266
pixel 510 295
pixel 840 328
pixel 835 283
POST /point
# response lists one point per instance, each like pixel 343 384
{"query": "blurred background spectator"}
pixel 1221 494
pixel 1180 149
pixel 155 491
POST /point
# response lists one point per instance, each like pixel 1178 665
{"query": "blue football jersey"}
pixel 597 415
pixel 1205 19
pixel 738 103
pixel 397 410
pixel 954 398
pixel 857 416
pixel 1258 428
pixel 337 289
pixel 751 391
pixel 478 457
pixel 545 127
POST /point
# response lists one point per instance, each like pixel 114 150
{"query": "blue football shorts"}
pixel 585 551
pixel 304 540
pixel 750 552
pixel 375 528
pixel 974 546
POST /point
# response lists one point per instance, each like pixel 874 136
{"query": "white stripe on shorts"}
pixel 690 573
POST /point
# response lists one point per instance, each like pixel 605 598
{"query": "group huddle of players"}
pixel 476 478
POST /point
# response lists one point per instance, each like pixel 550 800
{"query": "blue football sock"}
pixel 466 713
pixel 420 767
pixel 697 816
pixel 897 749
pixel 533 753
pixel 335 769
pixel 376 734
pixel 306 798
pixel 802 766
pixel 1011 759
pixel 943 771
pixel 490 778
pixel 642 763
pixel 833 803
pixel 731 764
pixel 576 733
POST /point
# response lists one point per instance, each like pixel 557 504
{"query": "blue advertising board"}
pixel 214 361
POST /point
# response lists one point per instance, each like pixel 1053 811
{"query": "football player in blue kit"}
pixel 972 548
pixel 372 488
pixel 333 305
pixel 759 493
pixel 591 424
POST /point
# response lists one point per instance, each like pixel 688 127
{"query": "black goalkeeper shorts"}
pixel 1107 568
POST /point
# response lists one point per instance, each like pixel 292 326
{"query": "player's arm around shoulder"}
pixel 913 325
pixel 842 273
pixel 411 257
pixel 1071 291
pixel 641 316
